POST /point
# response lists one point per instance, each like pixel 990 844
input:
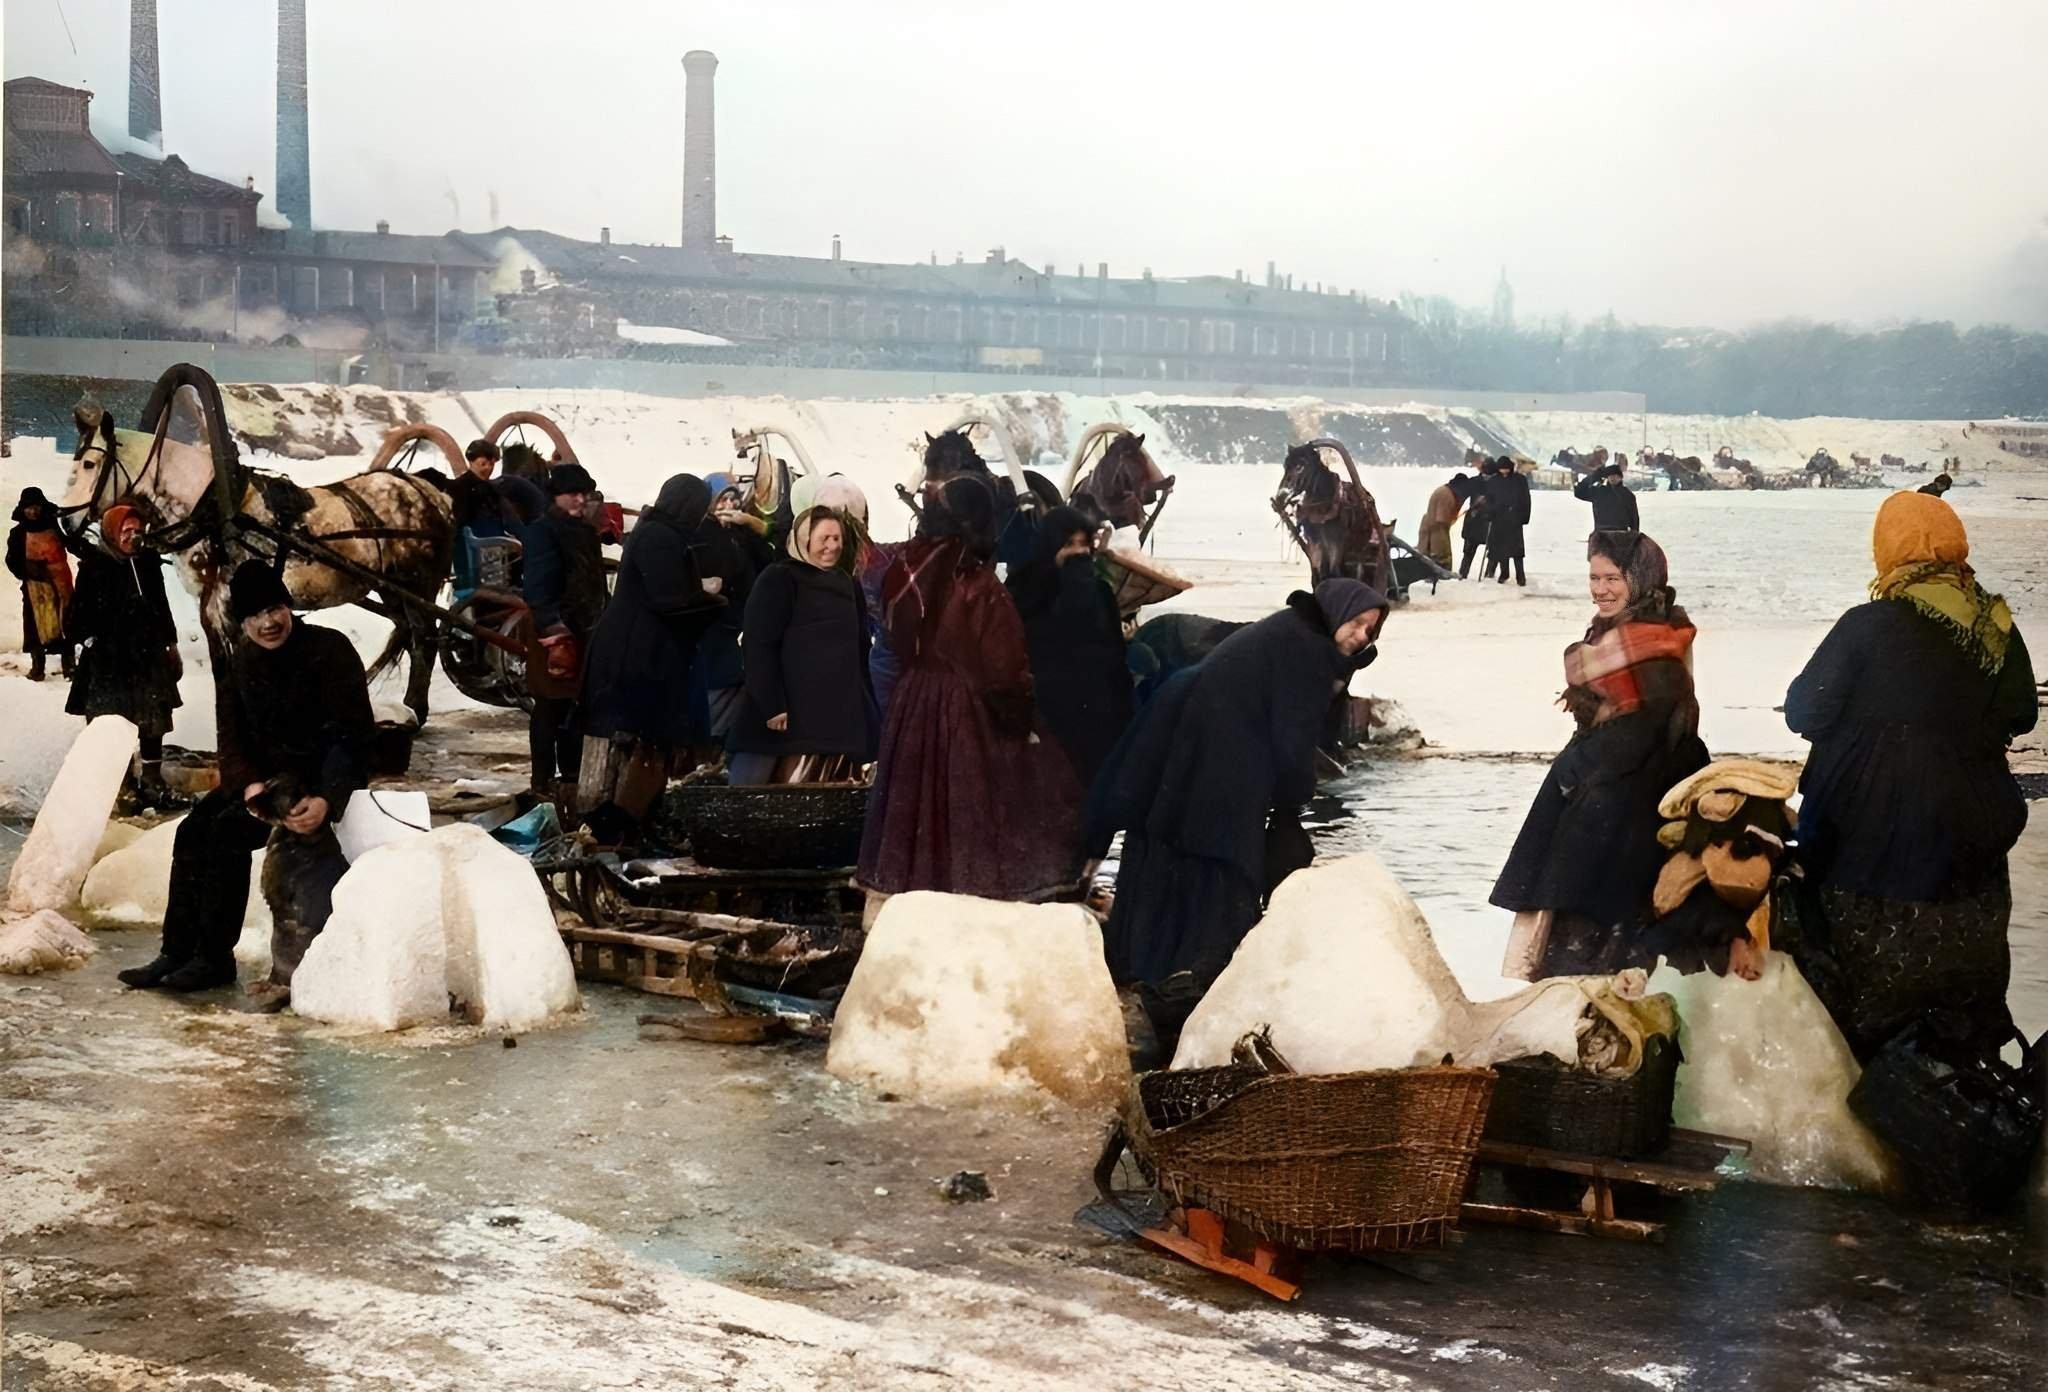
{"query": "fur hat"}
pixel 254 588
pixel 569 478
pixel 481 449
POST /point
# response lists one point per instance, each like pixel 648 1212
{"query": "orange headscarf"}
pixel 1922 555
pixel 1917 529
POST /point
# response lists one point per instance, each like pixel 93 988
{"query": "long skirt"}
pixel 1879 964
pixel 1175 913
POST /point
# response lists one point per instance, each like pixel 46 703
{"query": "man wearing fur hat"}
pixel 295 732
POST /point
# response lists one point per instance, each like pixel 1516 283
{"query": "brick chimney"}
pixel 604 236
pixel 700 153
pixel 294 157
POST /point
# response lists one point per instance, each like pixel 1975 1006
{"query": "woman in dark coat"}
pixel 807 714
pixel 969 797
pixel 1581 873
pixel 1076 639
pixel 1225 750
pixel 128 663
pixel 1909 806
pixel 636 686
pixel 1507 507
pixel 1478 519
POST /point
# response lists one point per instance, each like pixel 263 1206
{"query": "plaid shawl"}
pixel 1974 619
pixel 1627 667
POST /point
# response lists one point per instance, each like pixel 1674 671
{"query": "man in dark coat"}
pixel 563 577
pixel 1478 518
pixel 637 683
pixel 1507 501
pixel 295 733
pixel 1614 506
pixel 1223 757
pixel 128 663
pixel 1076 639
pixel 35 557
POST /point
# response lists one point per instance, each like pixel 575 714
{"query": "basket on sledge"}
pixel 772 826
pixel 1372 1161
pixel 1543 1102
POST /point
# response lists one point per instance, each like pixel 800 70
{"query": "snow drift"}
pixel 958 999
pixel 449 916
pixel 42 941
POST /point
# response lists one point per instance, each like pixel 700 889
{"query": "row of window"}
pixel 75 217
pixel 1012 328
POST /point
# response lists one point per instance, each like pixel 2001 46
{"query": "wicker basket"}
pixel 1543 1102
pixel 774 826
pixel 1346 1162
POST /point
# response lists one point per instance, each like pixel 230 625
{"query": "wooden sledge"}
pixel 1690 1164
pixel 1200 1236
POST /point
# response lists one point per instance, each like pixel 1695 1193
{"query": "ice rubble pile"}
pixel 1763 1060
pixel 34 934
pixel 448 916
pixel 958 999
pixel 1345 971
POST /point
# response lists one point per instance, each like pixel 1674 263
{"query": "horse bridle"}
pixel 168 537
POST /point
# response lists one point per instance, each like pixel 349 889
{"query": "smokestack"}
pixel 604 236
pixel 835 248
pixel 294 157
pixel 145 99
pixel 700 153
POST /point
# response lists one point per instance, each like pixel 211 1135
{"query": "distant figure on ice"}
pixel 1910 807
pixel 1937 486
pixel 1208 784
pixel 969 798
pixel 1580 874
pixel 1076 637
pixel 1507 497
pixel 35 557
pixel 128 663
pixel 1478 518
pixel 1614 506
pixel 563 576
pixel 295 733
pixel 1445 502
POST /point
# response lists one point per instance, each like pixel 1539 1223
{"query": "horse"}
pixel 1581 465
pixel 184 475
pixel 1122 484
pixel 1334 521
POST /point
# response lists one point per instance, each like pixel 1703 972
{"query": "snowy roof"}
pixel 390 248
pixel 665 336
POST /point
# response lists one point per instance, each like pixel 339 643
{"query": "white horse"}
pixel 198 501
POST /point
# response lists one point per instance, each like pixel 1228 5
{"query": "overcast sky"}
pixel 1681 163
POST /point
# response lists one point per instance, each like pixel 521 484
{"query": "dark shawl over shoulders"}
pixel 637 679
pixel 1078 672
pixel 1907 794
pixel 1223 744
pixel 806 656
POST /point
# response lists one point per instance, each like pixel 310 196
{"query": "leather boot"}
pixel 201 974
pixel 150 975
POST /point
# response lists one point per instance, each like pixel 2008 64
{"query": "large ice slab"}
pixel 964 1000
pixel 130 886
pixel 447 916
pixel 68 826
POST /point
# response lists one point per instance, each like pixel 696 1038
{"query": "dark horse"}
pixel 950 453
pixel 1123 483
pixel 1335 521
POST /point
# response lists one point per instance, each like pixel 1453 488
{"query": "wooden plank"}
pixel 614 937
pixel 1662 1175
pixel 1548 1220
pixel 1213 1257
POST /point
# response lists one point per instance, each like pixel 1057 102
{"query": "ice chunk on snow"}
pixel 117 835
pixel 130 887
pixel 73 817
pixel 1763 1060
pixel 958 999
pixel 377 818
pixel 450 913
pixel 1345 971
pixel 42 941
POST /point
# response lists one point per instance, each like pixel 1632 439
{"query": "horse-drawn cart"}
pixel 1337 525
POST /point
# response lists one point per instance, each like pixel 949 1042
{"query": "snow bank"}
pixel 450 914
pixel 42 941
pixel 958 999
pixel 1764 1061
pixel 68 827
pixel 1344 969
pixel 129 887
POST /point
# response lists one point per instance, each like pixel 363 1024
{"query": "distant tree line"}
pixel 1918 371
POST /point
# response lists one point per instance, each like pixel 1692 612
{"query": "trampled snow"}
pixel 72 819
pixel 964 1000
pixel 450 914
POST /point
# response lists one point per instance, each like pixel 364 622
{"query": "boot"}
pixel 201 974
pixel 151 975
pixel 35 670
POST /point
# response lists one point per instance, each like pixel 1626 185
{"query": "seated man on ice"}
pixel 295 732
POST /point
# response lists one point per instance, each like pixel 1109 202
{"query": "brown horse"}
pixel 1334 521
pixel 1123 483
pixel 184 474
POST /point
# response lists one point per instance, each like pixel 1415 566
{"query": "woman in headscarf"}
pixel 968 798
pixel 128 663
pixel 1076 639
pixel 637 681
pixel 1580 876
pixel 1208 782
pixel 730 554
pixel 871 562
pixel 35 557
pixel 806 713
pixel 1909 806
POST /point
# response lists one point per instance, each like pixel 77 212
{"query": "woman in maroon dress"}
pixel 969 798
